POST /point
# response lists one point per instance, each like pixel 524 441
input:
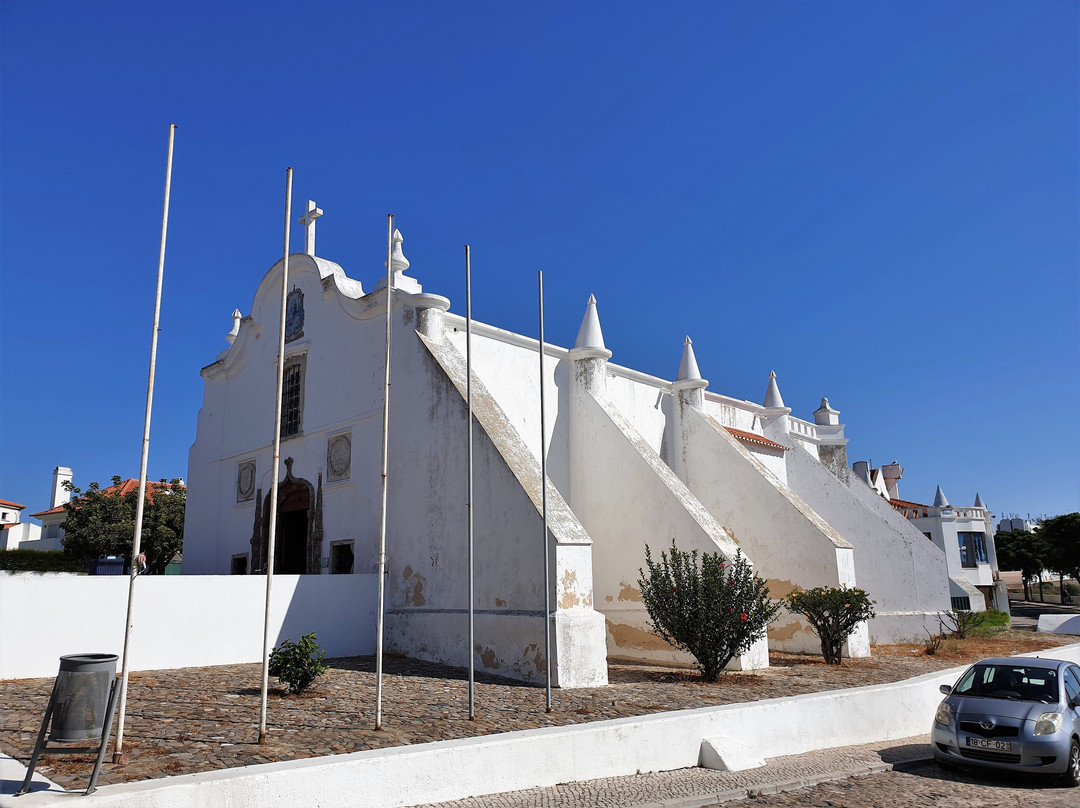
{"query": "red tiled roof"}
pixel 753 437
pixel 11 504
pixel 126 487
pixel 905 505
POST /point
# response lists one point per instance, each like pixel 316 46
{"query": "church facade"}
pixel 631 459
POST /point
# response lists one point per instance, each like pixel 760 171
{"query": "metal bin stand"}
pixel 81 708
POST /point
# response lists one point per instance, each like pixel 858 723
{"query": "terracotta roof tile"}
pixel 753 437
pixel 11 504
pixel 126 487
pixel 904 505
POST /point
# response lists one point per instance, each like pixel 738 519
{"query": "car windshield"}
pixel 1009 681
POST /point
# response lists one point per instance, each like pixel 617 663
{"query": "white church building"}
pixel 631 459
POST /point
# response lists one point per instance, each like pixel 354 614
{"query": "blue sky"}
pixel 877 200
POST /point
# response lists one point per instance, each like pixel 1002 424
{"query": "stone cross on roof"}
pixel 308 220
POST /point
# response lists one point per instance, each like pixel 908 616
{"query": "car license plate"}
pixel 985 743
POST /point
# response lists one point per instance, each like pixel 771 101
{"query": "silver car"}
pixel 1015 714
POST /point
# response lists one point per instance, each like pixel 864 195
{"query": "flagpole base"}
pixel 119 758
pixel 262 739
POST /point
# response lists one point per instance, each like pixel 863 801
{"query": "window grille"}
pixel 961 604
pixel 290 402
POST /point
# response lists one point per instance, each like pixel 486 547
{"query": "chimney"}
pixel 60 495
pixel 892 474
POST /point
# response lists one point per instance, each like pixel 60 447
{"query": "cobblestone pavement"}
pixel 924 784
pixel 885 775
pixel 201 719
pixel 693 788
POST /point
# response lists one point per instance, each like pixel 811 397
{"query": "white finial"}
pixel 825 415
pixel 397 258
pixel 308 220
pixel 772 394
pixel 236 317
pixel 939 499
pixel 590 335
pixel 688 367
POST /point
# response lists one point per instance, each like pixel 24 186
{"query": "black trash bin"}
pixel 81 708
pixel 82 697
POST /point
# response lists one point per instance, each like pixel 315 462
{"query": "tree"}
pixel 1061 535
pixel 1024 551
pixel 833 612
pixel 714 610
pixel 102 521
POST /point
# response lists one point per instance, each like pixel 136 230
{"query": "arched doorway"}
pixel 294 507
pixel 298 546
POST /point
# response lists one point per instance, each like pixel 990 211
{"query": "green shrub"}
pixel 714 610
pixel 833 612
pixel 960 623
pixel 297 665
pixel 40 561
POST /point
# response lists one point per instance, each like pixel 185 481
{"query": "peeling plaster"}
pixel 569 598
pixel 500 602
pixel 625 636
pixel 414 591
pixel 779 588
pixel 489 659
pixel 628 593
pixel 788 631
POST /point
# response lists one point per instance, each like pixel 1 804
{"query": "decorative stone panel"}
pixel 245 481
pixel 338 457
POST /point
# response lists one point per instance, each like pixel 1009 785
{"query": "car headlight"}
pixel 1048 724
pixel 944 713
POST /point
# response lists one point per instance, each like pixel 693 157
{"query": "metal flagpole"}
pixel 385 471
pixel 543 500
pixel 270 541
pixel 118 749
pixel 468 397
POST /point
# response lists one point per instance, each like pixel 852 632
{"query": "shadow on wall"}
pixel 340 609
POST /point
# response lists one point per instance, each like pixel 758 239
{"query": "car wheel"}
pixel 1072 773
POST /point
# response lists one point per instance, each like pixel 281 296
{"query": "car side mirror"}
pixel 945 689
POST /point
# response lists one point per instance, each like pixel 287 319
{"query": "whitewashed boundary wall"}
pixel 181 621
pixel 450 770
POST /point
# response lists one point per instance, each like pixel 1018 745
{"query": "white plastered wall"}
pixel 340 344
pixel 902 571
pixel 627 497
pixel 180 621
pixel 790 544
pixel 508 527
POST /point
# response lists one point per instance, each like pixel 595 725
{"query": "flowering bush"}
pixel 833 612
pixel 714 610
